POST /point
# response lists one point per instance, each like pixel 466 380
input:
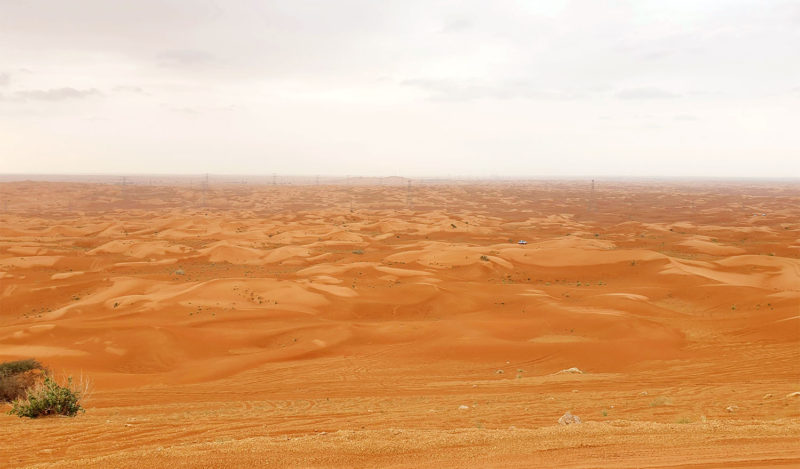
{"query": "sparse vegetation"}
pixel 33 392
pixel 50 398
pixel 485 258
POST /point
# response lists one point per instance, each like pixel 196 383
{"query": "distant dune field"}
pixel 387 325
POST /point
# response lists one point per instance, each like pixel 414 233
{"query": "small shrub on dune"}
pixel 47 397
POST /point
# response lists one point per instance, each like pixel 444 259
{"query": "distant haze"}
pixel 401 88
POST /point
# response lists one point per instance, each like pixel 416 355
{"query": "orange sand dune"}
pixel 341 326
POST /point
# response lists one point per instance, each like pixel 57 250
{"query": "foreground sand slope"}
pixel 373 326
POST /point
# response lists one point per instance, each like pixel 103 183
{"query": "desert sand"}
pixel 373 325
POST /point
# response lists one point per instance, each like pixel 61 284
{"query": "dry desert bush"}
pixel 16 377
pixel 34 392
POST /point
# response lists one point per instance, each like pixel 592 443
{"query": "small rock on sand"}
pixel 569 419
pixel 793 394
pixel 463 407
pixel 499 372
pixel 732 408
pixel 572 370
pixel 768 395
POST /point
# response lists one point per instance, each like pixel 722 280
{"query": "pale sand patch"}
pixel 401 272
pixel 630 296
pixel 335 290
pixel 63 275
pixel 28 262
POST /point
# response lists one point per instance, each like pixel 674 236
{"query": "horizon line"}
pixel 572 177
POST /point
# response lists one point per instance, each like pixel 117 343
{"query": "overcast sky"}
pixel 408 88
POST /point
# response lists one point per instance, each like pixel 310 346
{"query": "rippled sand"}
pixel 346 326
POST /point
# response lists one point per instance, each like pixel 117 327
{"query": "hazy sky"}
pixel 410 88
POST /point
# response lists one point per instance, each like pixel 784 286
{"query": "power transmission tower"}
pixel 122 184
pixel 204 188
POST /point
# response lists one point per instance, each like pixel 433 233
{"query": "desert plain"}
pixel 385 324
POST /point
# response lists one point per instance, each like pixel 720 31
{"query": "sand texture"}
pixel 375 325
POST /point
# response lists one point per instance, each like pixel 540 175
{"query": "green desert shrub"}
pixel 47 397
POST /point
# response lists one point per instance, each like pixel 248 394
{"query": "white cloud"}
pixel 184 58
pixel 56 94
pixel 646 93
pixel 409 87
